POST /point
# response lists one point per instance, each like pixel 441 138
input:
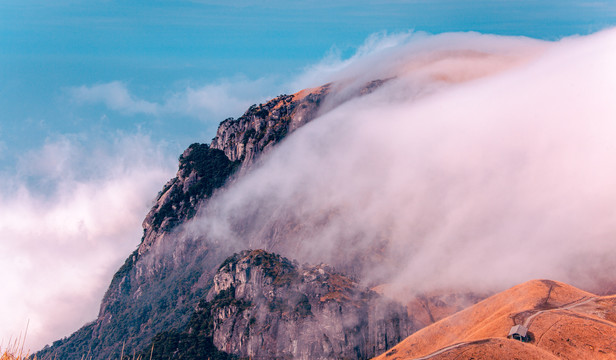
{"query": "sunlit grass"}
pixel 10 355
pixel 15 349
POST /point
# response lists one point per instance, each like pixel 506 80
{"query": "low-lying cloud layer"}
pixel 69 216
pixel 486 161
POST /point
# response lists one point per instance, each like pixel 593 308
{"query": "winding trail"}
pixel 581 301
pixel 527 323
pixel 443 350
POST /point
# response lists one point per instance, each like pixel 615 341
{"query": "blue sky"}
pixel 158 48
pixel 98 99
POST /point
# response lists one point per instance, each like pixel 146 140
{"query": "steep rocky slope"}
pixel 162 281
pixel 563 322
pixel 238 144
pixel 263 306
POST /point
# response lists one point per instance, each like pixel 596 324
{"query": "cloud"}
pixel 482 154
pixel 230 97
pixel 68 218
pixel 426 62
pixel 214 101
pixel 334 67
pixel 115 96
pixel 455 175
pixel 220 99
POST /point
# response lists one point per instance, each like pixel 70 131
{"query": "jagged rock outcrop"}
pixel 262 126
pixel 237 144
pixel 263 306
pixel 161 282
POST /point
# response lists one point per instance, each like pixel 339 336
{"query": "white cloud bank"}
pixel 68 218
pixel 486 162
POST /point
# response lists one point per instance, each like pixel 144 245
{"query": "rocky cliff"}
pixel 263 306
pixel 238 143
pixel 163 280
pixel 264 125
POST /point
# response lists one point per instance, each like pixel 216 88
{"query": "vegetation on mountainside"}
pixel 195 342
pixel 205 170
pixel 183 345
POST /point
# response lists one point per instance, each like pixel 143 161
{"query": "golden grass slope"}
pixel 563 321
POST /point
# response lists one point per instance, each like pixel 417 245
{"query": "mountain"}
pixel 161 284
pixel 426 177
pixel 563 322
pixel 191 291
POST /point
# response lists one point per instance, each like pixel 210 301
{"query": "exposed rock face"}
pixel 261 127
pixel 267 307
pixel 263 306
pixel 161 282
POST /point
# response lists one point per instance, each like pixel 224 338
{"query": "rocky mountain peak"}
pixel 264 125
pixel 160 284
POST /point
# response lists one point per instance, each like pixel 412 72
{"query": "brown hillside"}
pixel 562 320
pixel 495 349
pixel 426 308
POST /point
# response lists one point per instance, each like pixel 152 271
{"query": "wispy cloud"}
pixel 221 99
pixel 115 96
pixel 334 67
pixel 213 101
pixel 229 97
